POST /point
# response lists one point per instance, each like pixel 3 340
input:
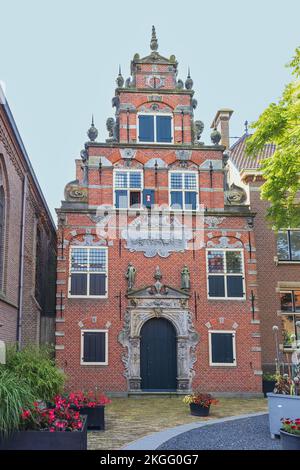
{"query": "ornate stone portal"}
pixel 159 301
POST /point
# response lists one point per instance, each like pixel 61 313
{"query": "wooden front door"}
pixel 158 355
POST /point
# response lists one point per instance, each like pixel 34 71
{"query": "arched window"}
pixel 2 228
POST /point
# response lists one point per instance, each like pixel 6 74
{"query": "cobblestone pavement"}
pixel 241 434
pixel 128 419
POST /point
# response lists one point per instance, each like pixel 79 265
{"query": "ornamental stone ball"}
pixel 92 132
pixel 215 137
pixel 189 82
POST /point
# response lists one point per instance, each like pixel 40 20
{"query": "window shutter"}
pixel 94 346
pixel 148 198
pixel 163 129
pixel 97 284
pixel 78 284
pixel 216 286
pixel 176 200
pixel 191 200
pixel 235 286
pixel 121 199
pixel 222 348
pixel 146 128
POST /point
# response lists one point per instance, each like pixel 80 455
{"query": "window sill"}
pixel 227 298
pixel 283 262
pixel 223 365
pixel 87 297
pixel 97 364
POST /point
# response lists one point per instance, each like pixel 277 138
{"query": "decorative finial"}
pixel 92 132
pixel 120 79
pixel 246 127
pixel 153 43
pixel 189 82
pixel 215 136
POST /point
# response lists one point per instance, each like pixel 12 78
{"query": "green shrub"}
pixel 15 394
pixel 36 366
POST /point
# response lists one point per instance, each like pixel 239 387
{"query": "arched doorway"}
pixel 158 355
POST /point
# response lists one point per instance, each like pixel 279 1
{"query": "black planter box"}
pixel 198 410
pixel 268 386
pixel 46 440
pixel 95 417
pixel 289 441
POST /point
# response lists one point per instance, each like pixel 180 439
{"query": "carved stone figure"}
pixel 198 129
pixel 110 122
pixel 130 275
pixel 185 278
pixel 236 195
pixel 179 84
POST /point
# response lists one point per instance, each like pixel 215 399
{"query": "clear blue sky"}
pixel 59 61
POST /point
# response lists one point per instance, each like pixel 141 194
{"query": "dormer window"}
pixel 155 128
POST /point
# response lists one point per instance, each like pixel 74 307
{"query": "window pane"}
pixel 297 300
pixel 222 348
pixel 176 200
pixel 216 286
pixel 97 284
pixel 288 330
pixel 121 200
pixel 286 301
pixel 235 286
pixel 215 261
pixel 234 261
pixel 121 179
pixel 135 199
pixel 146 128
pixel 97 260
pixel 282 246
pixel 163 129
pixel 94 347
pixel 190 181
pixel 79 259
pixel 190 200
pixel 78 284
pixel 295 245
pixel 176 180
pixel 297 322
pixel 135 180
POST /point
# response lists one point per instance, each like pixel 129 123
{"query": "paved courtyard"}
pixel 129 419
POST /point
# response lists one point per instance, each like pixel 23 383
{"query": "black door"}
pixel 158 355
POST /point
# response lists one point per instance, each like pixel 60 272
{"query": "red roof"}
pixel 244 162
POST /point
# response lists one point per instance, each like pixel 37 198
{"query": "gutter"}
pixel 21 265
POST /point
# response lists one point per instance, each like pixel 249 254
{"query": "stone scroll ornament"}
pixel 154 235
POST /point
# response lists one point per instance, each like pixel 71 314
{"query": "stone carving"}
pixel 153 42
pixel 154 235
pixel 130 275
pixel 236 195
pixel 111 126
pixel 179 84
pixel 215 137
pixel 92 132
pixel 213 222
pixel 224 243
pixel 185 278
pixel 183 155
pixel 194 103
pixel 75 192
pixel 89 240
pixel 155 81
pixel 120 79
pixel 189 82
pixel 115 102
pixel 127 153
pixel 198 128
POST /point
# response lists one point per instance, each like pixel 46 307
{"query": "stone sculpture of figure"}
pixel 110 122
pixel 185 278
pixel 198 129
pixel 130 275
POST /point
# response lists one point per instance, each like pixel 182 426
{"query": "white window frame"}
pixel 288 233
pixel 141 189
pixel 241 250
pixel 222 364
pixel 155 141
pixel 183 190
pixel 82 362
pixel 88 273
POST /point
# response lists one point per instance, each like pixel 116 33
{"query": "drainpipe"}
pixel 21 265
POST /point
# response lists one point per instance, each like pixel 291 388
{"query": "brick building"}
pixel 27 244
pixel 278 261
pixel 156 266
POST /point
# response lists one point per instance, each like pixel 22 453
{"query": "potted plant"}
pixel 200 403
pixel 89 404
pixel 42 428
pixel 269 381
pixel 290 434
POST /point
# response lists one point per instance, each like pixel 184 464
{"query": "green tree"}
pixel 280 124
